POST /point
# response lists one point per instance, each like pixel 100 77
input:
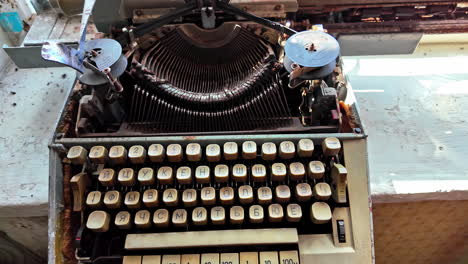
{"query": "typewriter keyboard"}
pixel 163 195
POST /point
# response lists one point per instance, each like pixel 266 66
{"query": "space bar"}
pixel 240 237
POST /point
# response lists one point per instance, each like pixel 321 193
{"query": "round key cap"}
pixel 287 150
pixel 218 215
pixel 256 214
pixel 245 194
pixel 118 155
pixel 189 197
pixel 303 192
pixel 98 154
pixel 123 220
pixel 200 216
pixel 112 199
pixel 94 199
pixel 77 155
pixel 259 173
pixel 269 151
pixel 296 171
pixel 156 153
pixel 161 218
pixel 208 195
pixel 184 175
pixel 322 191
pixel 132 200
pixel 202 174
pixel 305 148
pixel 98 221
pixel 170 197
pixel 226 195
pixel 146 176
pixel 142 219
pixel 283 193
pixel 179 218
pixel 137 154
pixel 236 215
pixel 320 213
pixel 230 150
pixel 275 213
pixel 264 195
pixel 316 169
pixel 126 177
pixel 293 213
pixel 150 198
pixel 107 177
pixel 213 153
pixel 174 153
pixel 278 172
pixel 331 146
pixel 193 152
pixel 249 150
pixel 239 173
pixel 221 173
pixel 165 175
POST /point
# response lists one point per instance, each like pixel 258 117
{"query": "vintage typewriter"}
pixel 207 132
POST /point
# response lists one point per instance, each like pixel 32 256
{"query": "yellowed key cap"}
pixel 239 173
pixel 213 153
pixel 221 173
pixel 189 259
pixel 256 214
pixel 94 199
pixel 189 197
pixel 152 259
pixel 331 146
pixel 150 198
pixel 98 154
pixel 107 177
pixel 278 172
pixel 118 155
pixel 316 169
pixel 230 150
pixel 289 257
pixel 293 213
pixel 112 199
pixel 200 216
pixel 171 259
pixel 322 191
pixel 174 153
pixel 137 154
pixel 269 257
pixel 126 177
pixel 218 215
pixel 236 215
pixel 320 213
pixel 179 218
pixel 156 153
pixel 245 194
pixel 131 260
pixel 248 258
pixel 202 174
pixel 264 195
pixel 287 150
pixel 98 221
pixel 259 173
pixel 249 150
pixel 229 258
pixel 275 213
pixel 146 176
pixel 132 200
pixel 170 197
pixel 78 185
pixel 123 220
pixel 165 175
pixel 161 218
pixel 77 155
pixel 212 258
pixel 226 195
pixel 193 152
pixel 143 219
pixel 339 178
pixel 184 175
pixel 282 193
pixel 305 148
pixel 269 151
pixel 296 171
pixel 208 195
pixel 303 192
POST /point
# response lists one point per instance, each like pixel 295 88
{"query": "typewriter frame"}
pixel 312 248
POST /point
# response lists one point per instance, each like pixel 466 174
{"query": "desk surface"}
pixel 414 109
